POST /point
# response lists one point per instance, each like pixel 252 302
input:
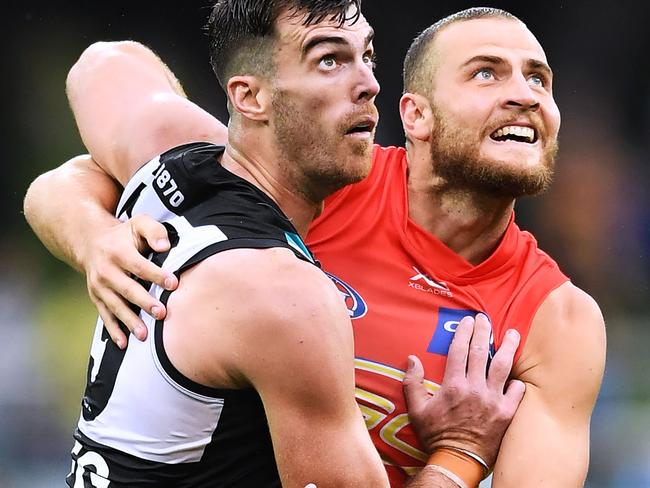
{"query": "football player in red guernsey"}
pixel 430 237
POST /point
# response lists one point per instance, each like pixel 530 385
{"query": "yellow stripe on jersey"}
pixel 389 372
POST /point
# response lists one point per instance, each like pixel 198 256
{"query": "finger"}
pixel 122 311
pixel 135 293
pixel 138 265
pixel 457 355
pixel 147 231
pixel 502 362
pixel 478 350
pixel 415 393
pixel 515 390
pixel 111 325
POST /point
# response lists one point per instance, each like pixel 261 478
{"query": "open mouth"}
pixel 365 126
pixel 516 133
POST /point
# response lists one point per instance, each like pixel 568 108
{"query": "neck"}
pixel 265 173
pixel 469 222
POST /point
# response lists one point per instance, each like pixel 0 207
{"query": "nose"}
pixel 367 86
pixel 520 95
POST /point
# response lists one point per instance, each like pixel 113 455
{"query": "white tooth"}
pixel 529 134
pixel 516 130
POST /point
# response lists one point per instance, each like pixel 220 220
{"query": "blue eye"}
pixel 536 80
pixel 484 74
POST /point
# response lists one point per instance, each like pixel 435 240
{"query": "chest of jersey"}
pixel 406 293
pixel 397 308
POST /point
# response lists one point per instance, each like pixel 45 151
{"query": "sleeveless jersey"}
pixel 406 292
pixel 142 422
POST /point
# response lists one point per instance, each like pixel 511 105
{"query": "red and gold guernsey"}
pixel 406 292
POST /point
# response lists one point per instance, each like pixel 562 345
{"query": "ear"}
pixel 249 96
pixel 417 118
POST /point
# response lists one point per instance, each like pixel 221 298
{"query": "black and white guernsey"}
pixel 142 422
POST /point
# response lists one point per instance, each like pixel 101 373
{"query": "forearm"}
pixel 65 205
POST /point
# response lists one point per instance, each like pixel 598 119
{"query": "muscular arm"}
pixel 129 107
pixel 562 365
pixel 75 196
pixel 263 318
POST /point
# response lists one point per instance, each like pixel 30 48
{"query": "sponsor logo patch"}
pixel 355 304
pixel 448 320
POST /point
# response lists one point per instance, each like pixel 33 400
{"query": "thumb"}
pixel 146 229
pixel 414 391
pixel 515 390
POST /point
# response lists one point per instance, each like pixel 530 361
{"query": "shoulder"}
pixel 275 269
pixel 284 316
pixel 565 351
pixel 261 313
pixel 571 309
pixel 272 289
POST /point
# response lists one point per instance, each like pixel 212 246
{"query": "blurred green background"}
pixel 595 221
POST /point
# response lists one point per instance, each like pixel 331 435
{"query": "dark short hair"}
pixel 241 31
pixel 417 67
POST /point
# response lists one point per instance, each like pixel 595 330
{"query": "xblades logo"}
pixel 425 283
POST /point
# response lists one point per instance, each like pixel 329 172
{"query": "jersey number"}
pixel 166 183
pixel 88 470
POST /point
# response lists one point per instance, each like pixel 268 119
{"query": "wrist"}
pixel 464 468
pixel 89 237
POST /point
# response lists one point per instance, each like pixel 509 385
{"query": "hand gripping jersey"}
pixel 406 292
pixel 142 422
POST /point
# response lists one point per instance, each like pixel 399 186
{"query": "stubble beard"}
pixel 313 158
pixel 455 155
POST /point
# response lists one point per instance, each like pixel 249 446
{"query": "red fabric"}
pixel 413 286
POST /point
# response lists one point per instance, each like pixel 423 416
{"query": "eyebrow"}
pixel 534 64
pixel 537 65
pixel 323 39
